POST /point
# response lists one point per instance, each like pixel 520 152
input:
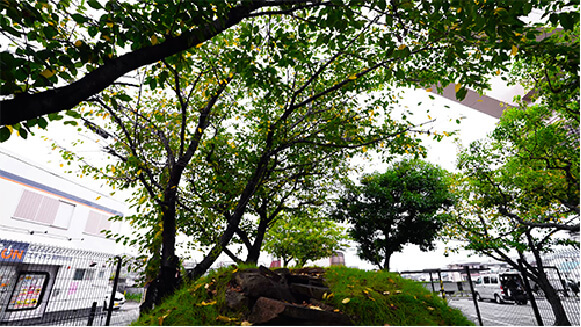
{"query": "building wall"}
pixel 39 206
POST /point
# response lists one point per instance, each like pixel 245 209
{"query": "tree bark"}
pixel 386 261
pixel 28 106
pixel 254 251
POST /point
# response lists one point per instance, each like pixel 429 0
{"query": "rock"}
pixel 257 284
pixel 308 291
pixel 235 300
pixel 264 310
pixel 273 312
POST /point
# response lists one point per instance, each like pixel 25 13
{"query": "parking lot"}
pixel 494 314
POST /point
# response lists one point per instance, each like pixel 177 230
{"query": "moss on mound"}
pixel 367 298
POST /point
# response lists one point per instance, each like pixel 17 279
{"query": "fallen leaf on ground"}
pixel 345 300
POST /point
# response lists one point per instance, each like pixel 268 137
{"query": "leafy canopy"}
pixel 302 236
pixel 401 206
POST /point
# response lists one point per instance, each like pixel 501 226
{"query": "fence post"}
pixel 467 269
pixel 112 298
pixel 441 284
pixel 432 282
pixel 92 314
pixel 527 286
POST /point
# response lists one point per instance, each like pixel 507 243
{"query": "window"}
pixel 96 222
pixel 494 279
pixel 28 292
pixel 486 279
pixel 79 274
pixel 44 209
pixel 64 215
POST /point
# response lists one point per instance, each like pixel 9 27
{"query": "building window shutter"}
pixel 47 211
pixel 28 205
pixel 96 223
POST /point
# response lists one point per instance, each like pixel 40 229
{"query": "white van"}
pixel 501 287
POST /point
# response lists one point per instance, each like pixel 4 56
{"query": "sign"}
pixel 28 291
pixel 12 251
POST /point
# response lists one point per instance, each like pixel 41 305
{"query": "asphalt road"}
pixel 494 314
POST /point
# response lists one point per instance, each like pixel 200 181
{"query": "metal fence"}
pixel 561 267
pixel 50 285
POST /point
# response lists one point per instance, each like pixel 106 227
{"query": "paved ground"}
pixel 494 314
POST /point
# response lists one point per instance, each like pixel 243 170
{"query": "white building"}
pixel 39 206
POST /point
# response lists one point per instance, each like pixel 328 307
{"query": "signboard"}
pixel 28 292
pixel 12 251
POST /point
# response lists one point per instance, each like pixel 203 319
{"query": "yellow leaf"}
pixel 47 73
pixel 199 45
pixel 112 169
pixel 245 323
pixel 514 50
pixel 231 74
pixel 107 38
pixel 459 10
pixel 402 46
pixel 429 89
pixel 366 292
pixel 345 300
pixel 11 129
pixel 208 303
pixel 110 24
pixel 61 165
pixel 78 43
pixel 336 310
pixel 429 117
pixel 224 319
pixel 498 72
pixel 458 87
pixel 353 76
pixel 142 199
pixel 98 198
pixel 154 39
pixel 314 307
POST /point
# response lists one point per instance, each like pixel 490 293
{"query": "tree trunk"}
pixel 168 279
pixel 254 251
pixel 386 261
pixel 554 300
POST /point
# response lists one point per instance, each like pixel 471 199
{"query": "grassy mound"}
pixel 368 298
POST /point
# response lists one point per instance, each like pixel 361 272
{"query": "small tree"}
pixel 401 206
pixel 303 236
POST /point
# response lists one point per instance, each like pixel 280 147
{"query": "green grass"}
pixel 375 298
pixel 196 304
pixel 132 297
pixel 378 298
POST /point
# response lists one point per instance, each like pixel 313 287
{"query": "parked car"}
pixel 118 301
pixel 501 287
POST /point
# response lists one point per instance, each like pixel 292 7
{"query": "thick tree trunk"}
pixel 27 106
pixel 254 251
pixel 386 261
pixel 168 279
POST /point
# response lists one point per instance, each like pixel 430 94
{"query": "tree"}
pixel 163 140
pixel 90 48
pixel 520 190
pixel 290 60
pixel 398 207
pixel 520 193
pixel 302 236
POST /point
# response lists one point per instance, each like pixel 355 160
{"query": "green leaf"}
pixel 4 134
pixel 94 4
